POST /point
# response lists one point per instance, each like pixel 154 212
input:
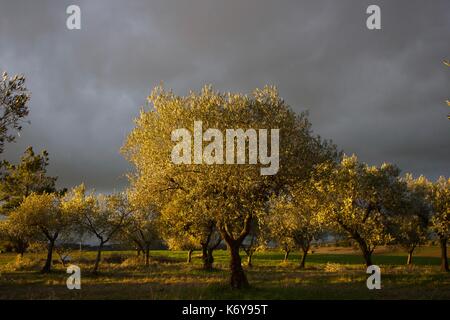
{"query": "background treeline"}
pixel 317 190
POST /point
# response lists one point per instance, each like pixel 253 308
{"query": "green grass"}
pixel 330 274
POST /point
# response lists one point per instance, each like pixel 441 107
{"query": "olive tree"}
pixel 43 216
pixel 142 230
pixel 183 242
pixel 361 201
pixel 187 222
pixel 13 231
pixel 235 194
pixel 299 219
pixel 411 228
pixel 101 216
pixel 255 240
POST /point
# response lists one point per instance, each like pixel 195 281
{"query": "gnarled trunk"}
pixel 207 257
pixel 147 256
pixel 303 260
pixel 189 256
pixel 367 253
pixel 444 259
pixel 238 278
pixel 98 258
pixel 249 258
pixel 367 257
pixel 410 256
pixel 48 262
pixel 286 255
pixel 210 257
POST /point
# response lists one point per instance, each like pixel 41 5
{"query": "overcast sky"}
pixel 379 94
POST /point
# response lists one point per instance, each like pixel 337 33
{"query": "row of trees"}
pixel 370 205
pixel 61 220
pixel 316 191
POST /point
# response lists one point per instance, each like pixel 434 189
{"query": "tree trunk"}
pixel 368 257
pixel 204 256
pixel 367 254
pixel 302 262
pixel 286 255
pixel 207 257
pixel 48 263
pixel 410 257
pixel 249 258
pixel 210 257
pixel 444 259
pixel 189 257
pixel 238 278
pixel 147 257
pixel 97 260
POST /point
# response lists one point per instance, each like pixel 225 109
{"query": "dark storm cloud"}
pixel 378 94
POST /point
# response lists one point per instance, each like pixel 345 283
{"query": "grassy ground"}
pixel 331 273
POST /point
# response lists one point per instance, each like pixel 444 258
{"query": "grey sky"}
pixel 379 94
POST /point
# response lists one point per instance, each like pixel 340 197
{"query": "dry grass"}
pixel 123 276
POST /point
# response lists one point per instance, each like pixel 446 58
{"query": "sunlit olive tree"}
pixel 183 242
pixel 187 221
pixel 142 230
pixel 13 230
pixel 299 219
pixel 361 201
pixel 43 216
pixel 234 194
pixel 410 229
pixel 101 216
pixel 254 241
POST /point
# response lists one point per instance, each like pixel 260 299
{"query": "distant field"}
pixel 331 273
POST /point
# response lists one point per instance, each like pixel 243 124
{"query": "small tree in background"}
pixel 254 241
pixel 142 230
pixel 361 201
pixel 411 228
pixel 276 229
pixel 42 215
pixel 183 242
pixel 98 215
pixel 189 223
pixel 299 220
pixel 14 232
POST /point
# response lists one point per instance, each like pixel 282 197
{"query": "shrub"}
pixel 23 263
pixel 333 267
